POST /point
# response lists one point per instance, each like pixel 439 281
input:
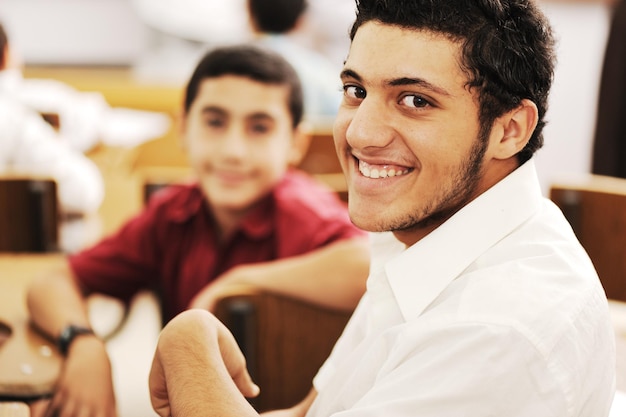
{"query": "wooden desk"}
pixel 14 409
pixel 29 363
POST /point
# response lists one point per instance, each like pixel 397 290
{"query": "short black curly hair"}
pixel 507 49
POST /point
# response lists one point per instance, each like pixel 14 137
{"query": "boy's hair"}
pixel 507 49
pixel 253 62
pixel 276 16
pixel 4 43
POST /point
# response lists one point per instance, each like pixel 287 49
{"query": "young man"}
pixel 480 302
pixel 250 219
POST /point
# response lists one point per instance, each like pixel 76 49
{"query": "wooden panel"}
pixel 596 208
pixel 321 161
pixel 285 341
pixel 29 218
pixel 321 157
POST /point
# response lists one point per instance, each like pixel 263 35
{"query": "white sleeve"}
pixel 38 150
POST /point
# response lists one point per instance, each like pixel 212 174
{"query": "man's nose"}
pixel 370 125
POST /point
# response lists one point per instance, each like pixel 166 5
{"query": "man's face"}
pixel 407 132
pixel 238 136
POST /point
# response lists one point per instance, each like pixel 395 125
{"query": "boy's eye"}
pixel 414 101
pixel 259 128
pixel 214 122
pixel 353 91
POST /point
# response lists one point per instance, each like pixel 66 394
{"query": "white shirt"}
pixel 498 312
pixel 30 146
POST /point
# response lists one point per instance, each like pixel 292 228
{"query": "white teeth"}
pixel 383 172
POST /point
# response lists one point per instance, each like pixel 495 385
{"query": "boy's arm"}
pixel 54 301
pixel 332 276
pixel 85 385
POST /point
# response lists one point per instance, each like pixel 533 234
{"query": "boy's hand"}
pixel 234 278
pixel 85 386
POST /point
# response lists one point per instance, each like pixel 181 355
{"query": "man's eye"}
pixel 414 101
pixel 353 91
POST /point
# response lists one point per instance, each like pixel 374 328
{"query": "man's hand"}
pixel 199 370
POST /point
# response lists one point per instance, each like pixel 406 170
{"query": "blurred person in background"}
pixel 31 146
pixel 84 119
pixel 274 23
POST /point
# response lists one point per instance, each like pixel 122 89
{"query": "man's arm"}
pixel 198 370
pixel 85 386
pixel 332 276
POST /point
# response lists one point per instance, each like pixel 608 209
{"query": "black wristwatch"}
pixel 68 334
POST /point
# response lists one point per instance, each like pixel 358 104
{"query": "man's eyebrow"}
pixel 418 81
pixel 348 73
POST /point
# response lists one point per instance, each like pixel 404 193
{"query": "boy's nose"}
pixel 234 144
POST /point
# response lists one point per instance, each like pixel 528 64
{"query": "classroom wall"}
pixel 581 30
pixel 76 32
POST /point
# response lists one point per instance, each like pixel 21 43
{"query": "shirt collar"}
pixel 436 260
pixel 257 224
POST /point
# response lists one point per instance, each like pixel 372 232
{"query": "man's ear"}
pixel 302 136
pixel 514 129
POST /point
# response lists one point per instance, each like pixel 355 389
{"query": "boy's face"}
pixel 407 132
pixel 239 138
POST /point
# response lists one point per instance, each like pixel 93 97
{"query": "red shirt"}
pixel 171 246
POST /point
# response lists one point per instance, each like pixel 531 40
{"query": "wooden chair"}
pixel 596 208
pixel 29 217
pixel 321 161
pixel 157 177
pixel 285 341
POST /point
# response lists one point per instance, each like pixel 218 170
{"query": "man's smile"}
pixel 382 171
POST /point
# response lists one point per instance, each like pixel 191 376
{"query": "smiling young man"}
pixel 480 300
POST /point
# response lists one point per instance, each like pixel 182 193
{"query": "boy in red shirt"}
pixel 249 219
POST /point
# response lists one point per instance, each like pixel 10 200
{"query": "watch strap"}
pixel 68 334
